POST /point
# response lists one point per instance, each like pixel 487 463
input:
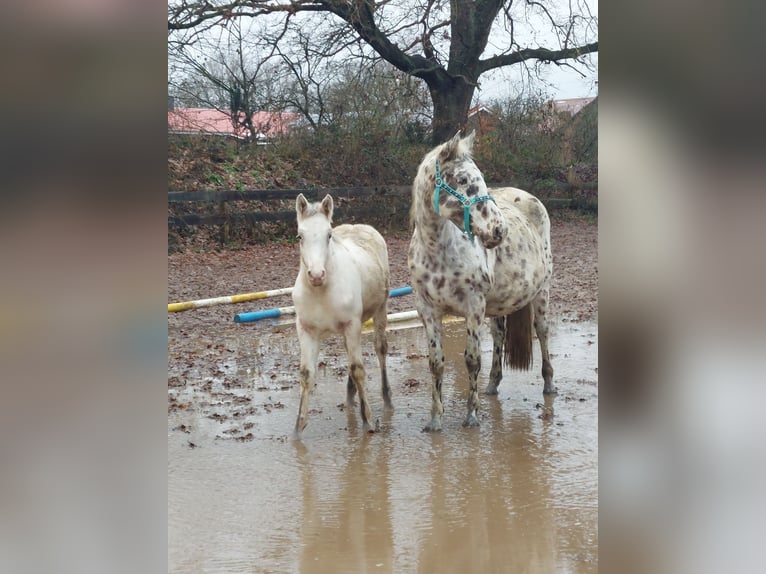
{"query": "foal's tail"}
pixel 518 338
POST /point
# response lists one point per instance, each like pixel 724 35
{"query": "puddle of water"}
pixel 519 494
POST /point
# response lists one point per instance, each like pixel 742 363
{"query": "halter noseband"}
pixel 466 202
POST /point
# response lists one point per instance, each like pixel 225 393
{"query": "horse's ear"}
pixel 450 149
pixel 468 140
pixel 301 205
pixel 327 206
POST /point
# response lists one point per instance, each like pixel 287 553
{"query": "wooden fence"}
pixel 313 194
pixel 384 193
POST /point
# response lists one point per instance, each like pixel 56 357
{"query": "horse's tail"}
pixel 518 338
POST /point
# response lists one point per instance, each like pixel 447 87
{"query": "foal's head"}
pixel 459 192
pixel 314 234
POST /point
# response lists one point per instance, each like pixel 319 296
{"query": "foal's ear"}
pixel 450 149
pixel 301 205
pixel 327 206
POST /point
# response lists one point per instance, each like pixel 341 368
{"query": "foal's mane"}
pixel 312 208
pixel 423 186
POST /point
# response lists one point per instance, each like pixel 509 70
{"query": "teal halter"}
pixel 466 202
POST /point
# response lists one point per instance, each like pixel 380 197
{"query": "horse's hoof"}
pixel 492 391
pixel 433 427
pixel 368 429
pixel 471 421
pixel 552 390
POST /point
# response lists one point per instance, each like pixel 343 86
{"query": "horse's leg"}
pixel 473 362
pixel 353 337
pixel 309 352
pixel 350 391
pixel 381 350
pixel 541 328
pixel 433 327
pixel 497 327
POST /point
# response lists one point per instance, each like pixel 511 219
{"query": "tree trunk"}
pixel 451 100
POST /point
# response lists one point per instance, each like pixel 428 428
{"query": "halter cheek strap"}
pixel 466 202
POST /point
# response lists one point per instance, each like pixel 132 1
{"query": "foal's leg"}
pixel 309 352
pixel 350 391
pixel 473 362
pixel 497 327
pixel 353 338
pixel 381 350
pixel 541 328
pixel 433 325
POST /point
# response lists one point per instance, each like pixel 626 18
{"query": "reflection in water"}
pixel 519 494
pixel 348 530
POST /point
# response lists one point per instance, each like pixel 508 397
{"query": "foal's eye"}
pixel 329 235
pixel 299 237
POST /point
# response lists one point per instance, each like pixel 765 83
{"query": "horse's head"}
pixel 460 194
pixel 314 234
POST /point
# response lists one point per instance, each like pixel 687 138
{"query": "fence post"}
pixel 224 237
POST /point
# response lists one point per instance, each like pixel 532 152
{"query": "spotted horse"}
pixel 478 255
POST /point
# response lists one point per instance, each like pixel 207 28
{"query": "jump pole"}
pixel 277 312
pixel 186 305
pixel 395 318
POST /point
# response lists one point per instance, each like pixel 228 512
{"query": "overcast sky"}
pixel 558 82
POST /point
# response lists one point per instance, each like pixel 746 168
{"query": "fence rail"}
pixel 269 194
pixel 250 218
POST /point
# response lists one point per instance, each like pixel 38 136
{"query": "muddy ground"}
pixel 574 291
pixel 195 348
pixel 518 494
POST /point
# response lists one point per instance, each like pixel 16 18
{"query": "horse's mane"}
pixel 312 208
pixel 422 186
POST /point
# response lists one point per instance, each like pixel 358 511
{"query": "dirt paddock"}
pixel 574 290
pixel 517 494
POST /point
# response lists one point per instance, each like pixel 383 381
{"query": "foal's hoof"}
pixel 433 426
pixel 550 390
pixel 492 391
pixel 369 429
pixel 471 421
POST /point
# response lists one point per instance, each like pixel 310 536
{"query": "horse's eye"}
pixel 329 235
pixel 299 237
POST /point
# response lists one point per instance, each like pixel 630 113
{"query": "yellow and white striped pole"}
pixel 186 305
pixel 395 318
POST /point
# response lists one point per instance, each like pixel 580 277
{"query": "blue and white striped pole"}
pixel 278 312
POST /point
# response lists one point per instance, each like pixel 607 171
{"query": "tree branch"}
pixel 541 54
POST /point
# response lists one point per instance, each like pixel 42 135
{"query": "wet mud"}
pixel 518 494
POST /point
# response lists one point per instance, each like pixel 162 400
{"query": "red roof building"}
pixel 216 122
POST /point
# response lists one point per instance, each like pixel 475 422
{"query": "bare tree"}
pixel 229 73
pixel 305 76
pixel 449 45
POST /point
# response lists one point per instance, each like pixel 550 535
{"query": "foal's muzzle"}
pixel 316 278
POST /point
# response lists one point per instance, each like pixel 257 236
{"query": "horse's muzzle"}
pixel 317 279
pixel 493 239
